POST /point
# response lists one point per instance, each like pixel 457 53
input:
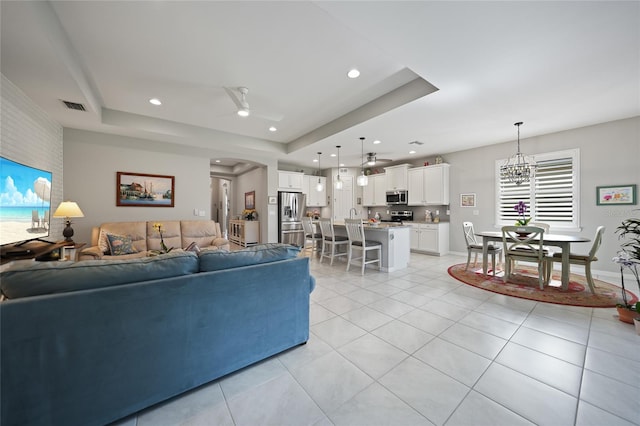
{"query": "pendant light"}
pixel 519 168
pixel 338 180
pixel 319 186
pixel 362 180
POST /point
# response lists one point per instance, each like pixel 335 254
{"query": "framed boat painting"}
pixel 144 190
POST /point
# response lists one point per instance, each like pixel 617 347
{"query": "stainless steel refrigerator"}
pixel 291 206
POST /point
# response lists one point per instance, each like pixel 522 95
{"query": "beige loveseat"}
pixel 176 233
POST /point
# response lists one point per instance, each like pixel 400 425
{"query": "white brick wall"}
pixel 29 136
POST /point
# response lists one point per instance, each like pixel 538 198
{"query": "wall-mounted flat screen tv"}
pixel 25 202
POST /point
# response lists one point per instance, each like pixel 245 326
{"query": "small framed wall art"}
pixel 250 200
pixel 468 199
pixel 616 195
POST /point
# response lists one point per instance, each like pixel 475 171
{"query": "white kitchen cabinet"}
pixel 396 177
pixel 314 198
pixel 290 181
pixel 430 238
pixel 428 185
pixel 375 193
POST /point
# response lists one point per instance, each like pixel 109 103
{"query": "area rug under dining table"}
pixel 524 284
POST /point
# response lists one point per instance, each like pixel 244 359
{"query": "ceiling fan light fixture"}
pixel 518 168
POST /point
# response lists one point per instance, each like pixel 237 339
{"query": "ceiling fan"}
pixel 239 97
pixel 372 159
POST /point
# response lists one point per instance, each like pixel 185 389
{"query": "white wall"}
pixel 29 136
pixel 91 161
pixel 254 180
pixel 609 155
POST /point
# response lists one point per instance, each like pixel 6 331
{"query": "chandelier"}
pixel 319 186
pixel 362 180
pixel 518 168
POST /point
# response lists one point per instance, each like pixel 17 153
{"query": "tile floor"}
pixel 418 348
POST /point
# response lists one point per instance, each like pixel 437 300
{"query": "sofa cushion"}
pixel 201 232
pixel 170 235
pixel 262 253
pixel 120 244
pixel 137 231
pixel 59 277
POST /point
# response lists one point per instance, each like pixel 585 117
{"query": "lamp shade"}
pixel 68 209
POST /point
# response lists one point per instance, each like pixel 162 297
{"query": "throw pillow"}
pixel 103 243
pixel 119 244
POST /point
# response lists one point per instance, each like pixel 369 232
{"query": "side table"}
pixel 72 251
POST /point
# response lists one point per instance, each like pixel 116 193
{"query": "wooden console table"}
pixel 32 250
pixel 244 232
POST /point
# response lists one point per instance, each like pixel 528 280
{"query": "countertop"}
pixel 378 226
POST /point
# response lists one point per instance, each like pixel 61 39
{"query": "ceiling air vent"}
pixel 74 105
pixel 416 143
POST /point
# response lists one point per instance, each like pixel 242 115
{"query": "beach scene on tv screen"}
pixel 25 202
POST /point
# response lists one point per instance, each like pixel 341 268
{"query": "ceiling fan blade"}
pixel 234 97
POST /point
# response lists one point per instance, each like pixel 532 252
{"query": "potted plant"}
pixel 629 258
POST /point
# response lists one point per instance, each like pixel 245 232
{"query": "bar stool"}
pixel 330 241
pixel 311 238
pixel 355 231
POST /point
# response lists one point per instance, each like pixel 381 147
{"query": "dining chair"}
pixel 581 259
pixel 331 241
pixel 525 243
pixel 311 237
pixel 357 241
pixel 474 247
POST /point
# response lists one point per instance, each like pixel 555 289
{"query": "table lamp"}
pixel 68 209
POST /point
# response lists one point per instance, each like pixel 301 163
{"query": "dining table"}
pixel 558 240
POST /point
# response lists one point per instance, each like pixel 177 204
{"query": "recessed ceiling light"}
pixel 217 161
pixel 243 112
pixel 376 142
pixel 354 73
pixel 155 101
pixel 341 164
pixel 315 160
pixel 272 129
pixel 333 155
pixel 412 152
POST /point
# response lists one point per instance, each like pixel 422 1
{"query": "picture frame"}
pixel 144 190
pixel 250 200
pixel 468 199
pixel 616 195
pixel 273 199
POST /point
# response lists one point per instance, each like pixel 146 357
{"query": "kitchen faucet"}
pixel 355 212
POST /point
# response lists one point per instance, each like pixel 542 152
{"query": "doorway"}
pixel 221 203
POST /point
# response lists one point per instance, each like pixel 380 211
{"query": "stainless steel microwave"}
pixel 396 197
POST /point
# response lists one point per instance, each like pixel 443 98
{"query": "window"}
pixel 552 195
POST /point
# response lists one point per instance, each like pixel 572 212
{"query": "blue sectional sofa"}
pixel 90 342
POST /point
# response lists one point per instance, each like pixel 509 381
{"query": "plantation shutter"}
pixel 551 196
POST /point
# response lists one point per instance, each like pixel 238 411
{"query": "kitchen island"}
pixel 395 240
